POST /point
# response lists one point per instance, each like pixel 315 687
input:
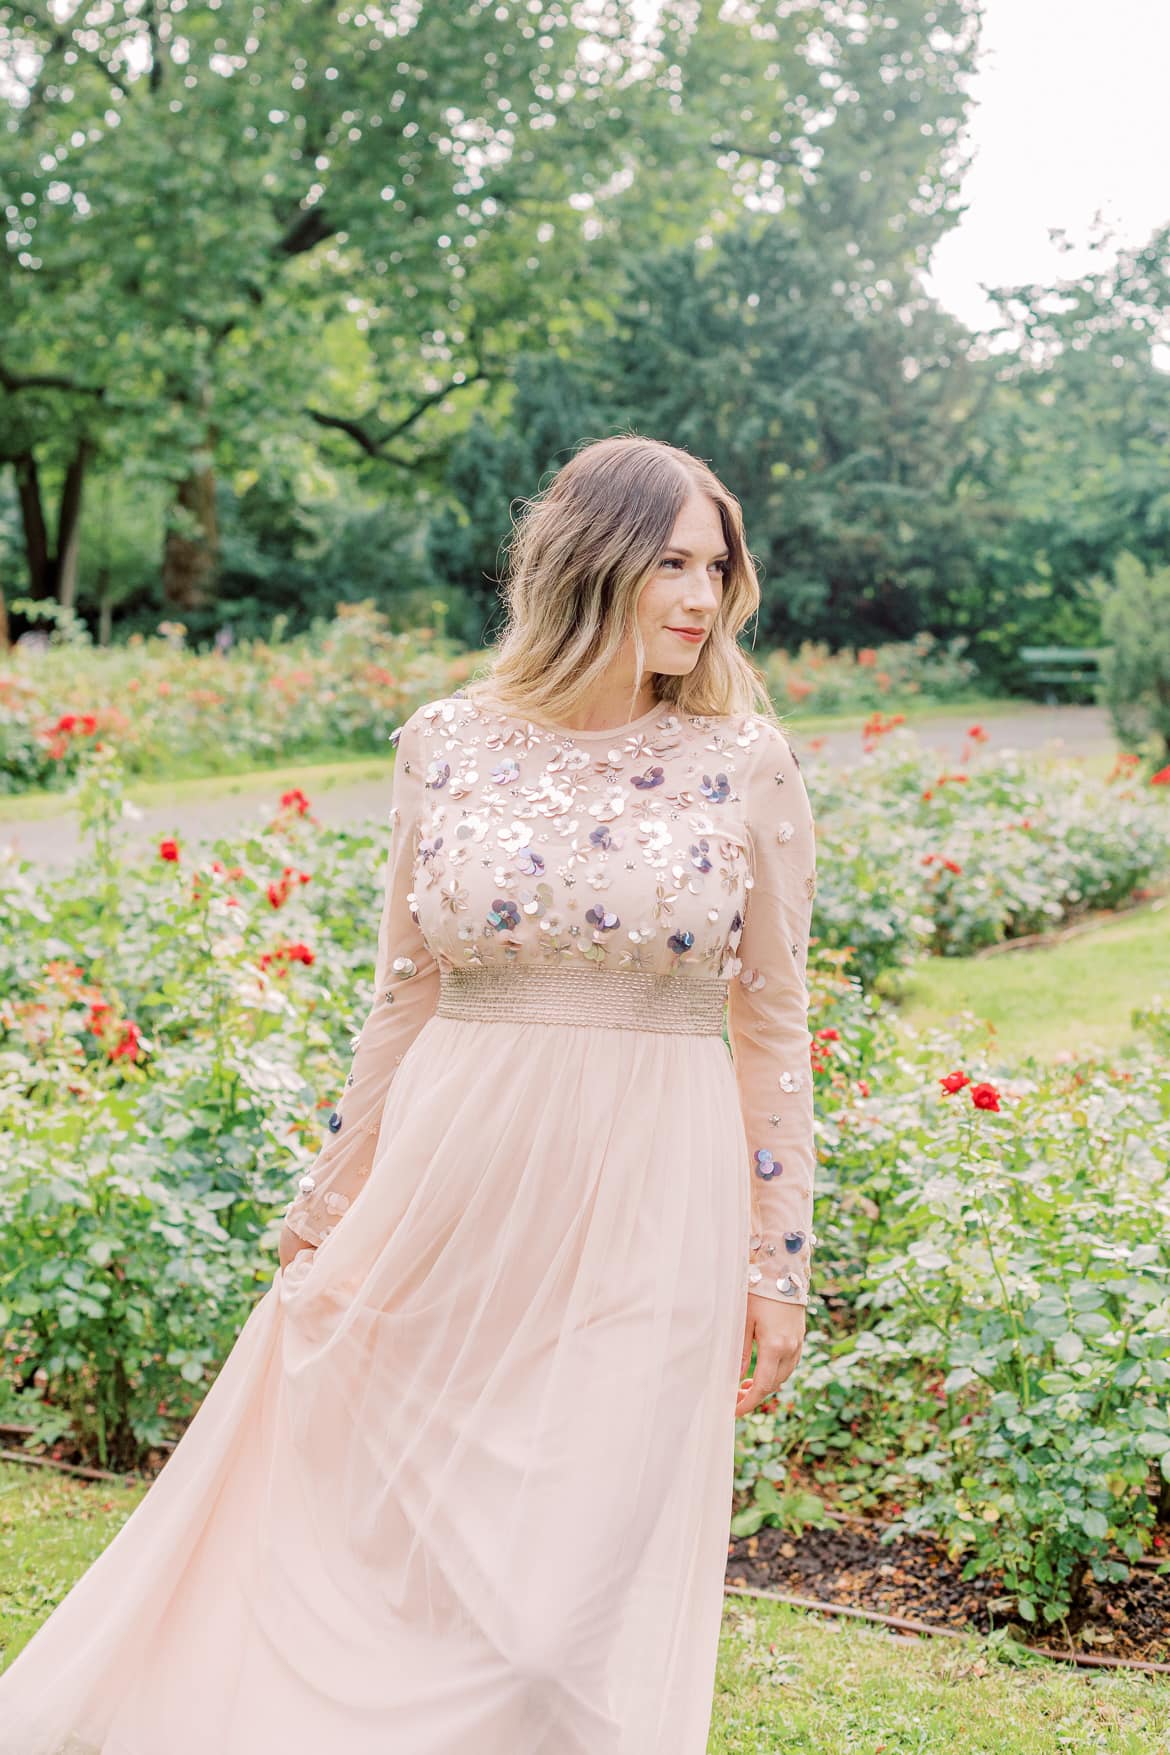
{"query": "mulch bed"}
pixel 846 1563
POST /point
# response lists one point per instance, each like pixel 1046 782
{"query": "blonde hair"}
pixel 579 556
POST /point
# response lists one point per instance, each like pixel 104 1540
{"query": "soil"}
pixel 847 1563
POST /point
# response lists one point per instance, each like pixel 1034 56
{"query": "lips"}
pixel 695 634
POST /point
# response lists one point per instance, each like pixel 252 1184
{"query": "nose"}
pixel 702 596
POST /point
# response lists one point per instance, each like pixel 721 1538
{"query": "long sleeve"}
pixel 767 1022
pixel 406 991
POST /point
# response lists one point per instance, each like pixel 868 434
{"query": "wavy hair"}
pixel 580 554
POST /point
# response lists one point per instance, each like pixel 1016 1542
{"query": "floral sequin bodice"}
pixel 626 850
pixel 677 845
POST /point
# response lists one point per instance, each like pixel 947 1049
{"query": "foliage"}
pixel 1135 620
pixel 343 685
pixel 989 1355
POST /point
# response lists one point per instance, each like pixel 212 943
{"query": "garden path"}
pixel 53 841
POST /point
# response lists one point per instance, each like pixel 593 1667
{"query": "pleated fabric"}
pixel 464 1482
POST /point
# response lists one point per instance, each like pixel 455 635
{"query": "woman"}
pixel 464 1480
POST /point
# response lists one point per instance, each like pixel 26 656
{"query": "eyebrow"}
pixel 673 549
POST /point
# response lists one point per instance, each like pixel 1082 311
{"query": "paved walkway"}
pixel 54 841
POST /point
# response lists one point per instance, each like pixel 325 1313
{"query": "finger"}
pixel 745 1358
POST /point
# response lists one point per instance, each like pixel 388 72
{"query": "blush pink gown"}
pixel 464 1481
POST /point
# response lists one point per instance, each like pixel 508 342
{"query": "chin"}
pixel 674 663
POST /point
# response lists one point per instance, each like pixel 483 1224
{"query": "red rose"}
pixel 168 849
pixel 985 1096
pixel 954 1081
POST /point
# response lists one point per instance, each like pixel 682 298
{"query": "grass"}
pixel 978 707
pixel 791 1683
pixel 51 1527
pixel 1046 1000
pixel 788 1683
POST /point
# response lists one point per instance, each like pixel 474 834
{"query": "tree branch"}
pixel 374 442
pixel 16 381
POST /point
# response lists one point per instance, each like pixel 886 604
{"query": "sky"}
pixel 1070 114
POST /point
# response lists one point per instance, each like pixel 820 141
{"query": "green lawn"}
pixel 1045 1000
pixel 790 1683
pixel 787 1684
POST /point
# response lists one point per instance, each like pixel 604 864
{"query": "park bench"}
pixel 1060 664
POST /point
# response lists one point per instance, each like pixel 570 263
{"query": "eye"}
pixel 723 566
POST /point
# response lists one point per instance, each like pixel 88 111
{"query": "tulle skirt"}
pixel 464 1481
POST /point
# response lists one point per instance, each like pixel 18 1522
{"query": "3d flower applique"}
pixel 453 895
pixel 335 1202
pixel 789 1284
pixel 438 773
pixel 403 968
pixel 531 862
pixel 506 771
pixel 794 1242
pixel 701 856
pixel 503 915
pixel 716 790
pixel 307 1184
pixel 790 1081
pixel 680 942
pixel 752 979
pixel 652 777
pixel 602 918
pixel 785 832
pixel 465 781
pixel 767 1166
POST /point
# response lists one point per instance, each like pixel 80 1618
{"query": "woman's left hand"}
pixel 778 1331
pixel 290 1244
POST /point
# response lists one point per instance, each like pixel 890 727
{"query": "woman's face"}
pixel 685 590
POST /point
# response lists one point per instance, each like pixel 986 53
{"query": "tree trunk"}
pixel 191 559
pixel 105 605
pixel 36 536
pixel 69 524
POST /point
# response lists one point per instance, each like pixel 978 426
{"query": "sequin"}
pixel 530 862
pixel 506 771
pixel 790 1081
pixel 793 1242
pixel 644 782
pixel 716 790
pixel 307 1184
pixel 700 856
pixel 334 1122
pixel 438 774
pixel 503 914
pixel 680 942
pixel 788 1284
pixel 766 1165
pixel 403 966
pixel 602 919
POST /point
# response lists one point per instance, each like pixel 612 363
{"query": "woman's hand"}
pixel 290 1243
pixel 778 1331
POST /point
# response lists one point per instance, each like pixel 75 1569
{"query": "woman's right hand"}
pixel 290 1243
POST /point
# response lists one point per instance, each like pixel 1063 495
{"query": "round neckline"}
pixel 605 731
